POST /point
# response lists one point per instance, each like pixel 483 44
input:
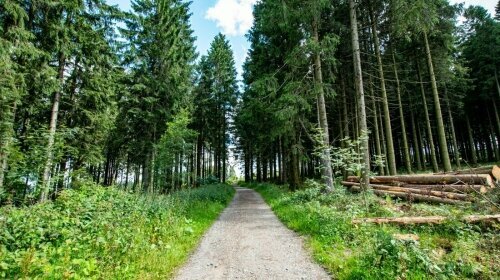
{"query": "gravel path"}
pixel 249 242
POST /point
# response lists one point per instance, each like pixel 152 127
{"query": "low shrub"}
pixel 105 233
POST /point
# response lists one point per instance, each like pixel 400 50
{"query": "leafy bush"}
pixel 104 233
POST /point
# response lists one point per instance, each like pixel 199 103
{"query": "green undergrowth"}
pixel 452 250
pixel 105 233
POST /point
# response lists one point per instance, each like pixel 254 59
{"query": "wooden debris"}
pixel 427 220
pixel 450 195
pixel 413 196
pixel 449 188
pixel 406 237
pixel 495 172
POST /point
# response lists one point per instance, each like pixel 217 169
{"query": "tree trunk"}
pixel 456 153
pixel 5 141
pixel 358 77
pixel 491 135
pixel 497 118
pixel 497 83
pixel 52 131
pixel 199 152
pixel 416 145
pixel 430 138
pixel 391 157
pixel 406 149
pixel 378 148
pixel 326 160
pixel 443 146
pixel 471 141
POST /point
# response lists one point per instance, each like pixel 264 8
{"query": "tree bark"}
pixel 443 146
pixel 491 135
pixel 473 179
pixel 378 148
pixel 450 188
pixel 429 192
pixel 471 141
pixel 430 138
pixel 326 160
pixel 391 157
pixel 358 79
pixel 5 142
pixel 412 196
pixel 406 149
pixel 416 144
pixel 52 131
pixel 456 153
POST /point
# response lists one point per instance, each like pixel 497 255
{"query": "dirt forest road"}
pixel 249 242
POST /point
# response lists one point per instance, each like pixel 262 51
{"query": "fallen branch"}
pixel 427 220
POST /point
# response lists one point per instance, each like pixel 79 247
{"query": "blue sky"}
pixel 234 18
pixel 209 17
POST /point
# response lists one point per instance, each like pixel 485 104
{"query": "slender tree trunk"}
pixel 378 148
pixel 5 142
pixel 497 118
pixel 127 172
pixel 406 149
pixel 491 135
pixel 391 157
pixel 281 161
pixel 199 151
pixel 456 154
pixel 294 172
pixel 471 141
pixel 430 139
pixel 443 146
pixel 361 96
pixel 152 171
pixel 382 137
pixel 497 83
pixel 52 131
pixel 416 144
pixel 326 161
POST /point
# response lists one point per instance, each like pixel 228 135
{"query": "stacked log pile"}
pixel 451 188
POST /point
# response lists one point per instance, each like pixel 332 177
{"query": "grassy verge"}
pixel 99 233
pixel 448 251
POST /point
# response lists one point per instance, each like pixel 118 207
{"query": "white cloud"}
pixel 234 17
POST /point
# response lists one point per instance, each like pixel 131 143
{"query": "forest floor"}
pixel 249 242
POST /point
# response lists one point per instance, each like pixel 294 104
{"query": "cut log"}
pixel 442 194
pixel 427 220
pixel 402 220
pixel 449 188
pixel 413 196
pixel 429 179
pixel 495 172
pixel 478 170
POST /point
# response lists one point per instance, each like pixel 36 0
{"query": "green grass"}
pixel 449 251
pixel 104 233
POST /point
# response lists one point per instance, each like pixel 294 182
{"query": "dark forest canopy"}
pixel 89 92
